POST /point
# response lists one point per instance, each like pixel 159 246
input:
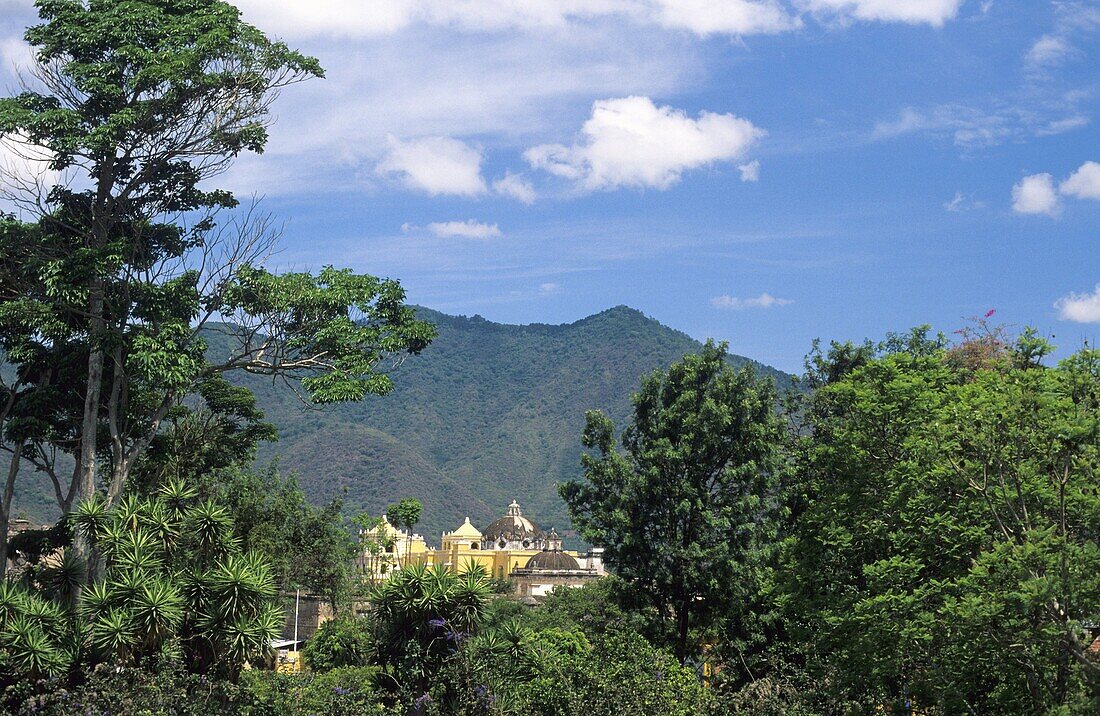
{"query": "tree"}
pixel 308 546
pixel 945 556
pixel 144 272
pixel 404 515
pixel 684 514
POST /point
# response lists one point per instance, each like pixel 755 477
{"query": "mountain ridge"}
pixel 488 413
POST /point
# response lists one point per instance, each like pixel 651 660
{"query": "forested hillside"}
pixel 487 414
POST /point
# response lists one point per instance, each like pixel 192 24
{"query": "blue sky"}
pixel 759 171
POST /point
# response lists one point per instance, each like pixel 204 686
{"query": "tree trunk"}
pixel 5 508
pixel 682 619
pixel 86 463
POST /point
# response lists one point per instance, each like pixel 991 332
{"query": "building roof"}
pixel 553 560
pixel 466 529
pixel 513 526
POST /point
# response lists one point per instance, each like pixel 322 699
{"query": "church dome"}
pixel 513 527
pixel 556 561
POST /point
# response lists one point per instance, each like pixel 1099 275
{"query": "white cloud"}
pixel 750 171
pixel 516 187
pixel 355 18
pixel 914 12
pixel 1083 183
pixel 1080 307
pixel 631 142
pixel 25 174
pixel 732 17
pixel 963 202
pixel 1060 126
pixel 437 165
pixel 549 289
pixel 970 128
pixel 1048 50
pixel 764 300
pixel 15 54
pixel 1035 195
pixel 462 230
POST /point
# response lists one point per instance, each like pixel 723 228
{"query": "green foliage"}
pixel 171 579
pixel 421 615
pixel 620 673
pixel 693 494
pixel 308 547
pixel 127 691
pixel 405 514
pixel 342 691
pixel 485 401
pixel 340 642
pixel 945 550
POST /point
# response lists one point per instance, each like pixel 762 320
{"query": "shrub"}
pixel 342 691
pixel 344 641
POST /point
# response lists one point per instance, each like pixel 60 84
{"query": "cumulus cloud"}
pixel 1035 194
pixel 764 300
pixel 463 230
pixel 1083 183
pixel 913 12
pixel 516 187
pixel 437 165
pixel 732 17
pixel 631 142
pixel 354 18
pixel 1080 307
pixel 750 171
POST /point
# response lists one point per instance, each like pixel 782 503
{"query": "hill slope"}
pixel 489 413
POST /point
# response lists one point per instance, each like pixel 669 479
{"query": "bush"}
pixel 344 641
pixel 621 673
pixel 138 692
pixel 342 691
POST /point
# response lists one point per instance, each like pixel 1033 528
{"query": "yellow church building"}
pixel 512 547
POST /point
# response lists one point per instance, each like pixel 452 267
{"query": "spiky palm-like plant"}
pixel 90 519
pixel 30 650
pixel 422 614
pixel 171 573
pixel 113 635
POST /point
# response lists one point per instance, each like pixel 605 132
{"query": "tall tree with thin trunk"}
pixel 157 276
pixel 684 513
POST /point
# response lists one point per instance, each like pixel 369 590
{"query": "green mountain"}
pixel 487 414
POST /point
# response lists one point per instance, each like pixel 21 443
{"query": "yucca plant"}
pixel 177 495
pixel 64 579
pixel 171 577
pixel 210 527
pixel 239 586
pixel 90 519
pixel 132 511
pixel 13 598
pixel 137 550
pixel 113 635
pixel 96 600
pixel 157 611
pixel 30 650
pixel 422 615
